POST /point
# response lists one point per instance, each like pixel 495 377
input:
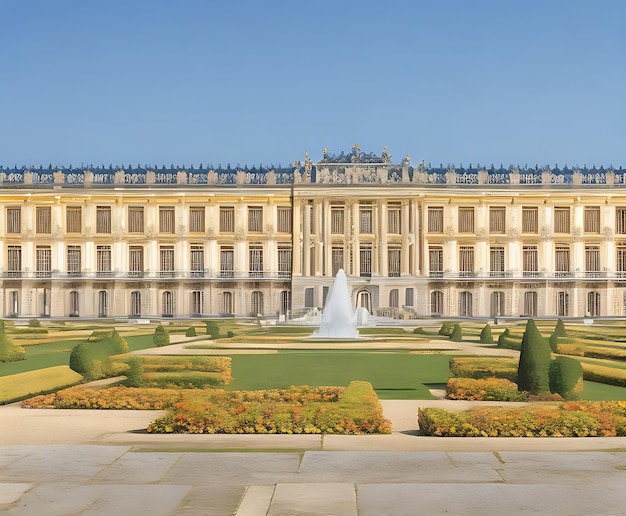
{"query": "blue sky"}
pixel 190 82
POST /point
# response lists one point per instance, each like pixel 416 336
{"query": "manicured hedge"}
pixel 182 380
pixel 297 410
pixel 571 419
pixel 160 337
pixel 479 367
pixel 488 389
pixel 92 358
pixel 602 374
pixel 566 378
pixel 485 335
pixel 18 386
pixel 533 372
pixel 10 352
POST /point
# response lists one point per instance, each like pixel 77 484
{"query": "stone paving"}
pixel 57 462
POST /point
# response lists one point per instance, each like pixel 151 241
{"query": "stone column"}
pixel 306 240
pixel 297 239
pixel 383 265
pixel 404 253
pixel 356 243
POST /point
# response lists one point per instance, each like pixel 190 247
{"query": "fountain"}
pixel 338 318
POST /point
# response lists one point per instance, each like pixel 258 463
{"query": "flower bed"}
pixel 487 389
pixel 572 419
pixel 484 368
pixel 297 410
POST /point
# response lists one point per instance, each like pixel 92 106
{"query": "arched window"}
pixel 135 303
pixel 285 301
pixel 197 302
pixel 497 304
pixel 530 303
pixel 394 298
pixel 436 302
pixel 364 300
pixel 228 303
pixel 465 304
pixel 256 303
pixel 168 304
pixel 593 304
pixel 103 303
pixel 562 303
pixel 74 310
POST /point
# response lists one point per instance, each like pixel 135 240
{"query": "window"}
pixel 166 219
pixel 135 219
pixel 255 219
pixel 466 220
pixel 592 219
pixel 74 219
pixel 135 303
pixel 394 298
pixel 465 304
pixel 435 261
pixel 561 261
pixel 256 303
pixel 167 304
pixel 135 261
pixel 593 304
pixel 620 221
pixel 73 260
pixel 592 261
pixel 466 261
pixel 394 213
pixel 14 303
pixel 365 220
pixel 530 303
pixel 337 226
pixel 285 301
pixel 284 261
pixel 14 220
pixel 227 219
pixel 228 303
pixel 561 220
pixel 435 220
pixel 621 261
pixel 337 259
pixel 197 302
pixel 283 219
pixel 393 263
pixel 255 265
pixel 103 219
pixel 530 264
pixel 497 304
pixel 43 223
pixel 497 219
pixel 496 262
pixel 103 303
pixel 44 261
pixel 166 261
pixel 103 259
pixel 408 297
pixel 562 304
pixel 365 259
pixel 436 302
pixel 196 219
pixel 197 261
pixel 309 297
pixel 74 306
pixel 227 262
pixel 530 220
pixel 14 261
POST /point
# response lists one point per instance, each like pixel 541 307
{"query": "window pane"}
pixel 255 219
pixel 393 221
pixel 561 220
pixel 284 219
pixel 14 220
pixel 135 219
pixel 497 217
pixel 43 222
pixel 592 220
pixel 435 220
pixel 337 221
pixel 466 220
pixel 393 262
pixel 73 260
pixel 227 219
pixel 73 219
pixel 103 219
pixel 365 220
pixel 530 220
pixel 166 219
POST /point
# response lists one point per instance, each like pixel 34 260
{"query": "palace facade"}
pixel 414 241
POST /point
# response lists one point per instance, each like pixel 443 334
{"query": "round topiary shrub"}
pixel 446 329
pixel 485 335
pixel 134 375
pixel 566 378
pixel 191 332
pixel 160 337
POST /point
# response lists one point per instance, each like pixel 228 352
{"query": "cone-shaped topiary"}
pixel 566 378
pixel 485 335
pixel 457 333
pixel 554 342
pixel 559 329
pixel 533 371
pixel 502 338
pixel 446 329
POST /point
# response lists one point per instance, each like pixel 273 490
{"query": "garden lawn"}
pixel 393 375
pixel 594 391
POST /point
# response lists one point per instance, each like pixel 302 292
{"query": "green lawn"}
pixel 595 391
pixel 393 375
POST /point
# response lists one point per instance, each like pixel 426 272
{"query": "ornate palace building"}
pixel 413 240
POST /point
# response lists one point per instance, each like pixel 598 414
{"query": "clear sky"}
pixel 216 82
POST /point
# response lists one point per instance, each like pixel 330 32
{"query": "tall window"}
pixel 227 262
pixel 14 220
pixel 497 304
pixel 365 219
pixel 530 265
pixel 394 298
pixel 393 262
pixel 562 303
pixel 74 306
pixel 14 261
pixel 466 220
pixel 530 303
pixel 255 219
pixel 103 303
pixel 135 261
pixel 337 259
pixel 228 303
pixel 135 219
pixel 466 261
pixel 43 223
pixel 255 261
pixel 197 302
pixel 620 221
pixel 256 303
pixel 44 261
pixel 592 261
pixel 436 302
pixel 73 260
pixel 103 261
pixel 197 260
pixel 530 219
pixel 394 217
pixel 365 256
pixel 196 219
pixel 337 226
pixel 408 296
pixel 497 219
pixel 309 297
pixel 465 304
pixel 435 261
pixel 167 304
pixel 227 219
pixel 496 262
pixel 283 219
pixel 561 220
pixel 284 261
pixel 166 261
pixel 285 301
pixel 621 261
pixel 103 219
pixel 435 220
pixel 73 219
pixel 592 219
pixel 166 219
pixel 593 304
pixel 561 261
pixel 135 303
